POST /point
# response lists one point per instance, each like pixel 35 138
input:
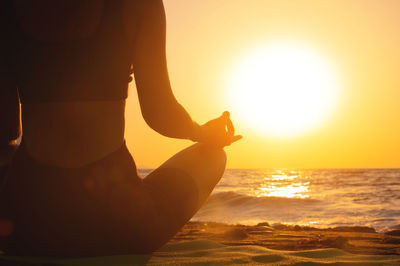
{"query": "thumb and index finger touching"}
pixel 230 128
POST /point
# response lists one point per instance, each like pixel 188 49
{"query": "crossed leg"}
pixel 141 217
pixel 177 190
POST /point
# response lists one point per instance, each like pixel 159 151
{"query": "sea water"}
pixel 313 197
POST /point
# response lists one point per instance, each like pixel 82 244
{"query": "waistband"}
pixel 117 166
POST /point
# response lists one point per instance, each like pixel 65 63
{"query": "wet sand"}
pixel 357 240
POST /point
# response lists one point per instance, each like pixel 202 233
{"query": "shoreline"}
pixel 354 239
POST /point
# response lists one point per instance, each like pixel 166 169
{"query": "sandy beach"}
pixel 356 239
pixel 189 132
pixel 201 243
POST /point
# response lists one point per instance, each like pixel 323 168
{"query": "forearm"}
pixel 172 120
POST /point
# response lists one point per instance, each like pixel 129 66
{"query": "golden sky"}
pixel 360 37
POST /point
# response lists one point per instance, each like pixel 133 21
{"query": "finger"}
pixel 226 114
pixel 232 139
pixel 224 117
pixel 223 120
pixel 235 138
pixel 229 124
pixel 230 127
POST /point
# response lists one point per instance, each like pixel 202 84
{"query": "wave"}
pixel 335 197
pixel 232 207
pixel 232 198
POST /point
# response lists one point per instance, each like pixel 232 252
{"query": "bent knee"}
pixel 210 151
pixel 213 161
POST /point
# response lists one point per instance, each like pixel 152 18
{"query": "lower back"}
pixel 72 134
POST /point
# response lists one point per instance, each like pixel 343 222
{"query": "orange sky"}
pixel 361 37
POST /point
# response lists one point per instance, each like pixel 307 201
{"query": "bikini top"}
pixel 95 68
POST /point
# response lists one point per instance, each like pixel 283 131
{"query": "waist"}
pixel 72 134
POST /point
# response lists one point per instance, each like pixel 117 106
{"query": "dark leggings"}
pixel 103 208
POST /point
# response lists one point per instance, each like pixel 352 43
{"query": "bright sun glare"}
pixel 283 89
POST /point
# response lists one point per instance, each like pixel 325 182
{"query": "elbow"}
pixel 167 117
pixel 157 122
pixel 160 116
pixel 165 124
pixel 9 137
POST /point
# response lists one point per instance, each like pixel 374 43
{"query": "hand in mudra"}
pixel 218 132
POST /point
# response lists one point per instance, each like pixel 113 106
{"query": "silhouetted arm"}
pixel 9 114
pixel 9 108
pixel 159 107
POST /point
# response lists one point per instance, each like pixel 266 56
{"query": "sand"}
pixel 356 239
pixel 221 244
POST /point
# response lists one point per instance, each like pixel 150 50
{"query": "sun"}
pixel 283 89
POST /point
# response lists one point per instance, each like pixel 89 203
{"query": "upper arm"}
pixel 9 106
pixel 149 58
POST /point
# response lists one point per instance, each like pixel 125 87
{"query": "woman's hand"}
pixel 218 132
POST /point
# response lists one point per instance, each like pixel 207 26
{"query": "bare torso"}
pixel 72 134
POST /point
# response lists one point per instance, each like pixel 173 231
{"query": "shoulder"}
pixel 142 8
pixel 51 20
pixel 142 17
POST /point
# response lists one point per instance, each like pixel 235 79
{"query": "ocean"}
pixel 315 197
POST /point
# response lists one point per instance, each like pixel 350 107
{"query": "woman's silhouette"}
pixel 71 188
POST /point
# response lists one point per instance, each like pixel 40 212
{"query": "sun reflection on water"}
pixel 288 184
